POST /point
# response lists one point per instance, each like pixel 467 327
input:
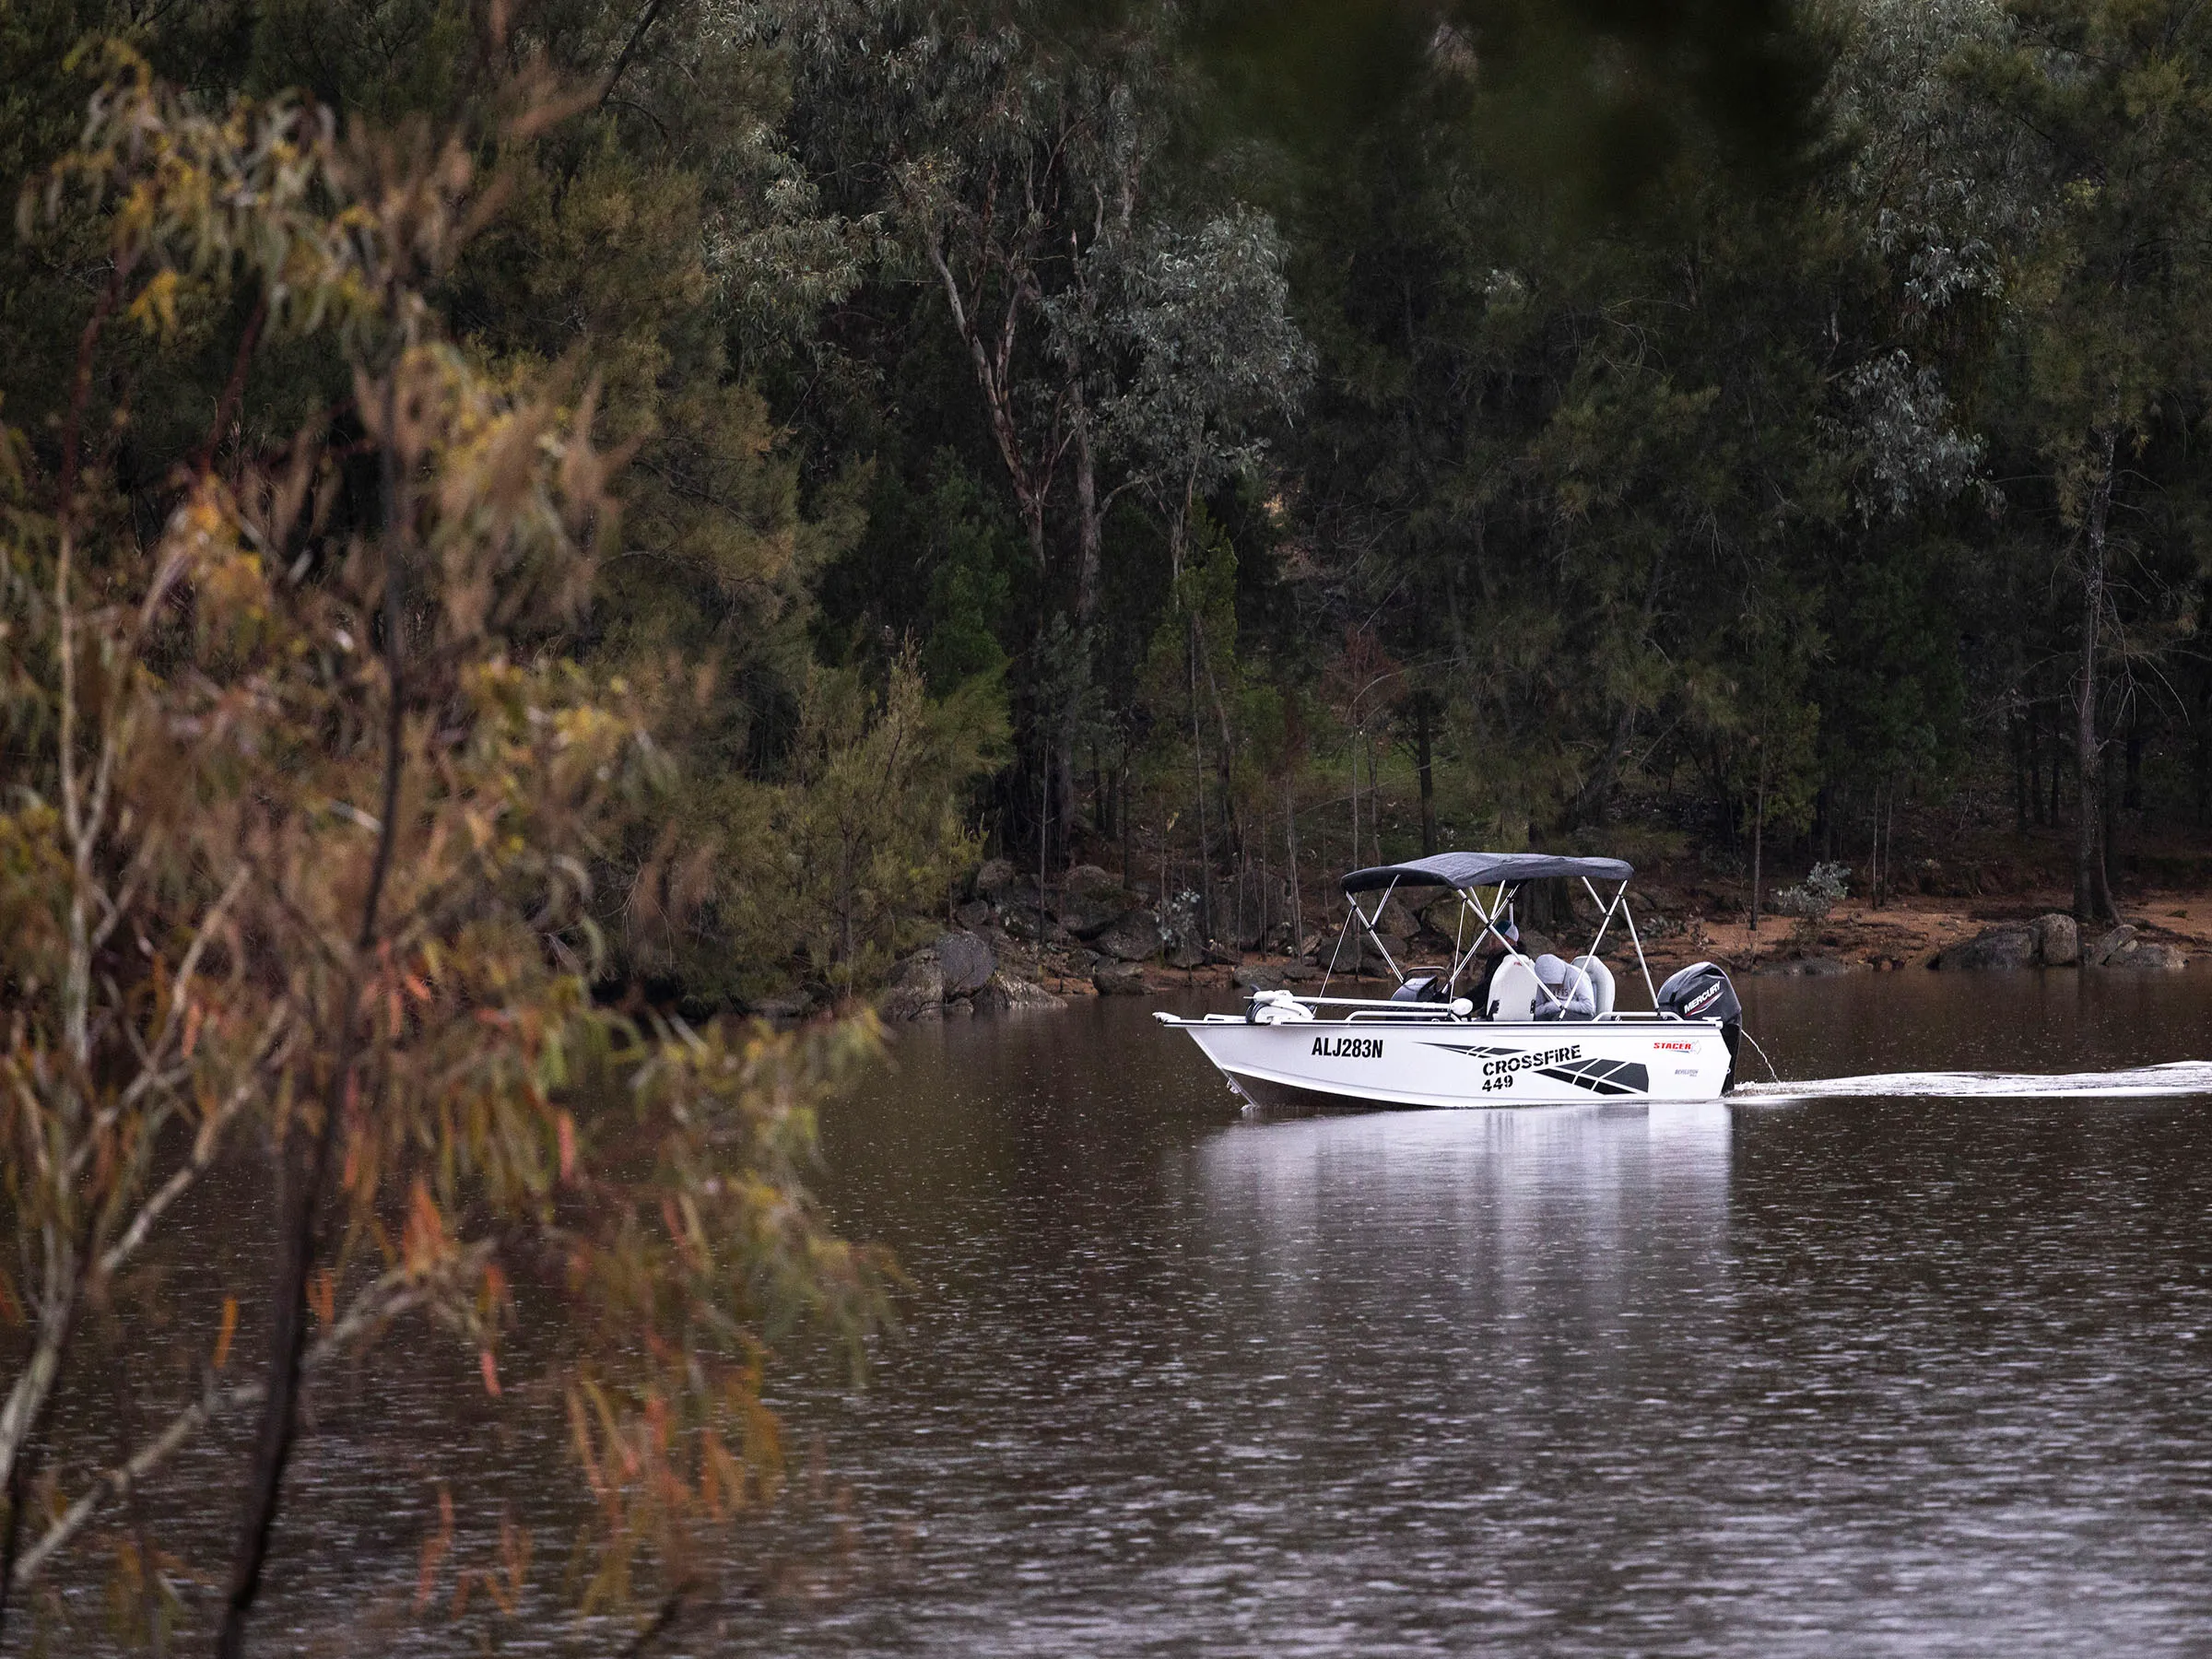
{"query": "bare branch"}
pixel 378 1302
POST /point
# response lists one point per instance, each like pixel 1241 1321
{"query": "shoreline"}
pixel 1905 933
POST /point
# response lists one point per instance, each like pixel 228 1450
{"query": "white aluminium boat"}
pixel 1538 1032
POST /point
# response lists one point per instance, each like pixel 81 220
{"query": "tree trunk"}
pixel 1120 820
pixel 1873 854
pixel 2035 766
pixel 1089 530
pixel 1424 764
pixel 2092 891
pixel 1358 742
pixel 1205 923
pixel 1298 920
pixel 1759 841
pixel 305 1169
pixel 1044 819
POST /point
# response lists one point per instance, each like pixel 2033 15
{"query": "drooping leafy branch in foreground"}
pixel 296 866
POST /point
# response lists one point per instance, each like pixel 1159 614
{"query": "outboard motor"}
pixel 1701 991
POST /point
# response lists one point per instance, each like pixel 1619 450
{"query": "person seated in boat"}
pixel 1570 992
pixel 1491 960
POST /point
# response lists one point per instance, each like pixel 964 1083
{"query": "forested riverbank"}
pixel 1213 445
pixel 530 533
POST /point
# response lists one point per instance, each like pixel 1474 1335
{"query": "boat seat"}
pixel 1603 990
pixel 1514 990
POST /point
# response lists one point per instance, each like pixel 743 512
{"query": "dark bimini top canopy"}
pixel 1462 870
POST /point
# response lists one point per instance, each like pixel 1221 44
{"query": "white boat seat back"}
pixel 1515 991
pixel 1601 984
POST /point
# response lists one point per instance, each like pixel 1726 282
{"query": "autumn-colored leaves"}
pixel 296 875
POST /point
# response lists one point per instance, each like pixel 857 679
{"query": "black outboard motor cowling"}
pixel 1426 987
pixel 1703 991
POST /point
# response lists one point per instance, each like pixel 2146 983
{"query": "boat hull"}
pixel 1459 1064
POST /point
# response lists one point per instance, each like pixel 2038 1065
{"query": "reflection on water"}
pixel 1905 1374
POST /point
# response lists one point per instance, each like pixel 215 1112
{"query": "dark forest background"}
pixel 1227 443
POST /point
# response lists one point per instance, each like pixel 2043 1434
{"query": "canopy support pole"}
pixel 1628 917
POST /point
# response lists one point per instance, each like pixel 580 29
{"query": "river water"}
pixel 1901 1374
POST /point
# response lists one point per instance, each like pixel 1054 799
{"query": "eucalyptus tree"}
pixel 1124 325
pixel 295 860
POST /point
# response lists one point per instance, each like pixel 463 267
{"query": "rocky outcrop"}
pixel 945 975
pixel 996 879
pixel 1396 918
pixel 2057 940
pixel 1133 938
pixel 967 962
pixel 2117 943
pixel 1187 955
pixel 2054 941
pixel 1005 992
pixel 1091 901
pixel 1089 906
pixel 1260 977
pixel 2007 945
pixel 916 990
pixel 1119 979
pixel 2121 948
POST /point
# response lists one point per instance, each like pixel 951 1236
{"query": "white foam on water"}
pixel 2180 1078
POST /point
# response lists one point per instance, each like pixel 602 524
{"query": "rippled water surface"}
pixel 1904 1374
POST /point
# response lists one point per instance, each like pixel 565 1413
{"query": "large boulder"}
pixel 916 990
pixel 2121 948
pixel 998 880
pixel 2057 940
pixel 2115 944
pixel 1372 960
pixel 1396 918
pixel 1005 992
pixel 1091 901
pixel 1260 976
pixel 2007 945
pixel 967 962
pixel 1119 979
pixel 1134 939
pixel 1021 922
pixel 2151 954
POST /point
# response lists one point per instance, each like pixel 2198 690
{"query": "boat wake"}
pixel 2181 1077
